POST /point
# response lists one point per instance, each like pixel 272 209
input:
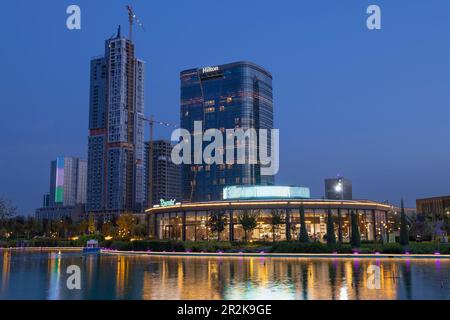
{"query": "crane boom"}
pixel 131 19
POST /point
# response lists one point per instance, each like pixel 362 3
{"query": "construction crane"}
pixel 151 121
pixel 132 18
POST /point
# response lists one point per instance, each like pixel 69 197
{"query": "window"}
pixel 221 108
pixel 209 110
pixel 208 103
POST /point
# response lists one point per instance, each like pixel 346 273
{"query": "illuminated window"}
pixel 209 110
pixel 221 108
pixel 229 99
pixel 208 103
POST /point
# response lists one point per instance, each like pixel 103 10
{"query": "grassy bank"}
pixel 234 247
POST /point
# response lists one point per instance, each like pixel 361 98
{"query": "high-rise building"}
pixel 67 182
pixel 68 176
pixel 338 189
pixel 116 134
pixel 229 96
pixel 166 177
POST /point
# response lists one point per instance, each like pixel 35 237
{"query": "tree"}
pixel 217 221
pixel 355 239
pixel 331 237
pixel 249 220
pixel 447 220
pixel 91 224
pixel 139 230
pixel 404 237
pixel 18 226
pixel 108 229
pixel 276 218
pixel 7 210
pixel 421 229
pixel 82 227
pixel 125 225
pixel 99 223
pixel 303 237
pixel 31 227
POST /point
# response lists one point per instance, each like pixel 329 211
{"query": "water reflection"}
pixel 42 275
pixel 54 270
pixel 5 270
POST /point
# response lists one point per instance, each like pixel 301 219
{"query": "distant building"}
pixel 116 130
pixel 67 196
pixel 433 207
pixel 165 180
pixel 338 188
pixel 76 213
pixel 46 200
pixel 67 182
pixel 228 96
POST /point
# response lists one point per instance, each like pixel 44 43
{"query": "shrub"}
pixel 297 247
pixel 393 248
pixel 121 245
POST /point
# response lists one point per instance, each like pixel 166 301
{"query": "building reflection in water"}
pixel 153 277
pixel 269 278
pixel 122 276
pixel 54 270
pixel 248 278
pixel 6 265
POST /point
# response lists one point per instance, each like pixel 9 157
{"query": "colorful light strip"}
pixel 59 186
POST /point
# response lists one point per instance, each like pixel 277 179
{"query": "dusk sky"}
pixel 373 106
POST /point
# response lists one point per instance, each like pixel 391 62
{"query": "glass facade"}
pixel 235 95
pixel 193 224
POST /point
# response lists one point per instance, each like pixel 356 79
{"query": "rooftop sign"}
pixel 265 192
pixel 210 69
pixel 166 203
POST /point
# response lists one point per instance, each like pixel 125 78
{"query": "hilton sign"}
pixel 210 69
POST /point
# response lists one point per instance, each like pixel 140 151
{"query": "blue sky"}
pixel 373 106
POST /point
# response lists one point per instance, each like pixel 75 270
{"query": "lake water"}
pixel 43 275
